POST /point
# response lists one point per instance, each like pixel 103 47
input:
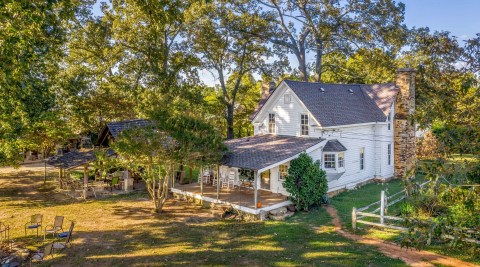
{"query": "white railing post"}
pixel 382 207
pixel 354 218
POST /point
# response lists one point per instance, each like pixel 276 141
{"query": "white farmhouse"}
pixel 357 132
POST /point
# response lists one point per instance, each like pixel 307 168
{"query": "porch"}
pixel 240 198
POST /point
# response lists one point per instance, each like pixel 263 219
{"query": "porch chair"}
pixel 215 178
pixel 40 256
pixel 206 176
pixel 34 223
pixel 223 181
pixel 55 228
pixel 231 179
pixel 68 237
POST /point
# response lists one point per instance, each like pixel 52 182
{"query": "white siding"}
pixel 287 116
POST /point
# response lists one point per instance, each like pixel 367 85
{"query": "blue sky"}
pixel 460 17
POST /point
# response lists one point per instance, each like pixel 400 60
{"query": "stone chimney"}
pixel 267 89
pixel 404 126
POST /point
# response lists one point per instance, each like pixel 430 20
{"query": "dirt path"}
pixel 415 258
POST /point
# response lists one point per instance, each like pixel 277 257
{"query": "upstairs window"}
pixel 282 172
pixel 287 99
pixel 271 123
pixel 341 160
pixel 304 124
pixel 362 158
pixel 389 154
pixel 329 161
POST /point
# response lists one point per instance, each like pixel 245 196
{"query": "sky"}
pixel 460 17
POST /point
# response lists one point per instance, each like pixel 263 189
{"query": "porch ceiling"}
pixel 260 151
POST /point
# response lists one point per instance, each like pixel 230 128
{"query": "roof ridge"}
pixel 354 84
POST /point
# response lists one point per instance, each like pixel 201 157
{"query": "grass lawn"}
pixel 370 193
pixel 122 231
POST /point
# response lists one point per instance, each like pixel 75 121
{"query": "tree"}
pixel 32 37
pixel 306 182
pixel 170 139
pixel 222 37
pixel 326 27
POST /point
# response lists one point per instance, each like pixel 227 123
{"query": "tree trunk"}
pixel 319 63
pixel 230 132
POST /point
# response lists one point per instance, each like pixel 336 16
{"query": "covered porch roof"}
pixel 261 151
pixel 74 159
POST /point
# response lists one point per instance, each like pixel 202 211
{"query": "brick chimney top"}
pixel 405 70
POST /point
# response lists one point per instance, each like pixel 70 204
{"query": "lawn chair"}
pixel 34 223
pixel 40 256
pixel 55 228
pixel 68 237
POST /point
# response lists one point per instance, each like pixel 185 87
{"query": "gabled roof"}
pixel 344 104
pixel 334 146
pixel 117 127
pixel 260 151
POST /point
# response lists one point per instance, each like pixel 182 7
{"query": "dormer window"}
pixel 287 99
pixel 271 123
pixel 304 124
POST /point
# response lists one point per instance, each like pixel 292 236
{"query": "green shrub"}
pixel 306 182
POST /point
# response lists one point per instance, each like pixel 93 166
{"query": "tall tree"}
pixel 31 41
pixel 222 35
pixel 325 27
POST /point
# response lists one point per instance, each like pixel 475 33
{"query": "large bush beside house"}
pixel 306 182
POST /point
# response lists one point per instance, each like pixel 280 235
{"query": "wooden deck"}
pixel 239 197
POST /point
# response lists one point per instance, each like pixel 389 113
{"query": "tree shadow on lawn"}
pixel 173 241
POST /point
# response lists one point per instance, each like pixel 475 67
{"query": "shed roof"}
pixel 75 159
pixel 334 146
pixel 260 151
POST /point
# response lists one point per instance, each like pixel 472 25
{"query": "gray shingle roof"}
pixel 260 151
pixel 334 146
pixel 344 104
pixel 117 127
pixel 74 158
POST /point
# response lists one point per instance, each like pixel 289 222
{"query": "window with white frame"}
pixel 329 161
pixel 362 158
pixel 287 98
pixel 341 160
pixel 271 123
pixel 389 154
pixel 282 172
pixel 304 124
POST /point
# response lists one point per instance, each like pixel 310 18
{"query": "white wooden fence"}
pixel 383 204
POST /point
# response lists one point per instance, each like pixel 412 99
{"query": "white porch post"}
pixel 255 187
pixel 218 181
pixel 85 181
pixel 201 180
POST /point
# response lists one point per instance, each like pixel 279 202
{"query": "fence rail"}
pixel 384 203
